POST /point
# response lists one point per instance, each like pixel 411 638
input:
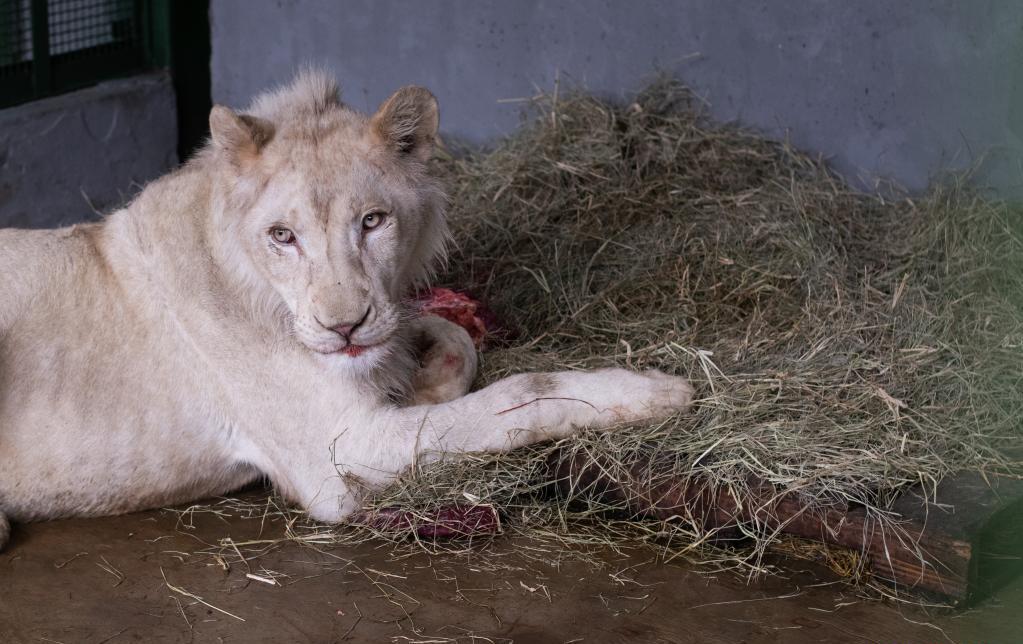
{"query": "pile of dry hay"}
pixel 842 345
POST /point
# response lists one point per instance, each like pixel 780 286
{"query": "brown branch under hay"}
pixel 930 542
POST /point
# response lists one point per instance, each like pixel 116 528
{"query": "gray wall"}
pixel 891 88
pixel 63 158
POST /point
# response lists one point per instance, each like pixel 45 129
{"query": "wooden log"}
pixel 940 547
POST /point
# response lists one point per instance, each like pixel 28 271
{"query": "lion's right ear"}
pixel 239 136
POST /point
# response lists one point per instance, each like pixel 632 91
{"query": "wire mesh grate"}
pixel 53 46
pixel 15 35
pixel 78 25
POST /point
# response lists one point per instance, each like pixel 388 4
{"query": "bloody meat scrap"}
pixel 462 309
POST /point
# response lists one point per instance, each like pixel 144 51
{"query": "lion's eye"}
pixel 282 235
pixel 372 219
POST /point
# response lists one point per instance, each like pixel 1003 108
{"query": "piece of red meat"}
pixel 456 520
pixel 462 309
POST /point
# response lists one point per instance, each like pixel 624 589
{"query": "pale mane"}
pixel 312 93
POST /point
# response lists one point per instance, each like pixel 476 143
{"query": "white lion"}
pixel 243 317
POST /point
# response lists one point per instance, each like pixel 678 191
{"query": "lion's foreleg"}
pixel 330 476
pixel 527 408
pixel 510 413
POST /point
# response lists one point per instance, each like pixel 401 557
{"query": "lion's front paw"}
pixel 448 358
pixel 670 394
pixel 651 394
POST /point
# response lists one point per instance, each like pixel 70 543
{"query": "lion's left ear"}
pixel 407 122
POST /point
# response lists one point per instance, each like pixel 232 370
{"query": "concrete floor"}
pixel 140 578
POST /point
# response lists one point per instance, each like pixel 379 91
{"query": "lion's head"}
pixel 329 210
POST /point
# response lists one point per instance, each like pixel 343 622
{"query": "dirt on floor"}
pixel 143 578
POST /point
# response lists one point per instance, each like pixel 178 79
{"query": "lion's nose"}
pixel 345 329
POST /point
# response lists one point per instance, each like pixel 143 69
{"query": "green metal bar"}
pixel 156 27
pixel 153 43
pixel 8 20
pixel 41 79
pixel 189 30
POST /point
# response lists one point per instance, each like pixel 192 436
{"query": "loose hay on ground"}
pixel 842 345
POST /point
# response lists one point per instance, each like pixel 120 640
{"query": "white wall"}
pixel 900 89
